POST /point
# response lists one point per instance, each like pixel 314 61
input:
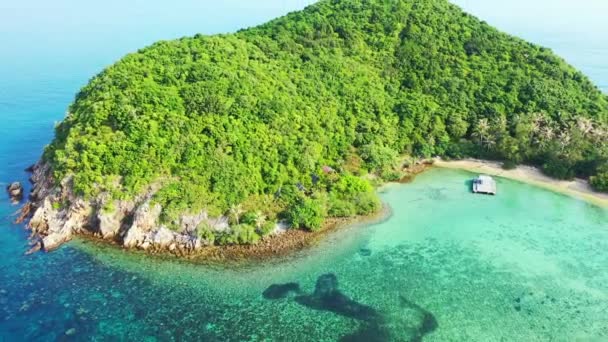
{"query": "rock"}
pixel 144 220
pixel 164 237
pixel 280 228
pixel 35 248
pixel 57 225
pixel 146 216
pixel 15 192
pixel 54 240
pixel 109 223
pixel 24 213
pixel 189 222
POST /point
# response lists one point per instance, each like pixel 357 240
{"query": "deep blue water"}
pixel 48 50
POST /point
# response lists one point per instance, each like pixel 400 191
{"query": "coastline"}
pixel 286 244
pixel 577 188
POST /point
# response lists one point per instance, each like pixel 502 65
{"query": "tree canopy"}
pixel 349 84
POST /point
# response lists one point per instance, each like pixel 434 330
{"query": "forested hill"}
pixel 352 84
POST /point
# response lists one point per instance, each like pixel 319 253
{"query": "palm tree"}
pixel 236 211
pixel 585 125
pixel 259 219
pixel 482 131
pixel 564 139
pixel 538 121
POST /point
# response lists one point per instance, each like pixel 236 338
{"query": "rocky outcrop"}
pixel 56 215
pixel 15 192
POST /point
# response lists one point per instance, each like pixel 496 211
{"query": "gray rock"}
pixel 164 237
pixel 15 192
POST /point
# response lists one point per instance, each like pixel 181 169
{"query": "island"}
pixel 234 139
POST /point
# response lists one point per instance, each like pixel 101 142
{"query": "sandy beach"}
pixel 578 188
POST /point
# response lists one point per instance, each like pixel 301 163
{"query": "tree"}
pixel 482 133
pixel 308 214
pixel 236 211
pixel 260 219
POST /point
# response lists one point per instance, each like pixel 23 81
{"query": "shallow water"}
pixel 526 265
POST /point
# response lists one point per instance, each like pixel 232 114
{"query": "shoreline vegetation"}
pixel 295 240
pixel 577 188
pixel 275 247
pixel 228 139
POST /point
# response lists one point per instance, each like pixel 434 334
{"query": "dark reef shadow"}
pixel 327 297
pixel 279 291
pixel 411 322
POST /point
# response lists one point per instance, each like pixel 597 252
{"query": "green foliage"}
pixel 367 203
pixel 217 120
pixel 341 208
pixel 241 234
pixel 308 214
pixel 205 233
pixel 267 228
pixel 600 181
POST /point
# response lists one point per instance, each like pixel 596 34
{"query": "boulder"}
pixel 164 237
pixel 109 223
pixel 145 220
pixel 15 192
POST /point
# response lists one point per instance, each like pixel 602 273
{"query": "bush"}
pixel 391 175
pixel 242 234
pixel 559 169
pixel 509 165
pixel 248 218
pixel 267 228
pixel 203 231
pixel 599 182
pixel 367 203
pixel 307 214
pixel 341 208
pixel 378 157
pixel 349 185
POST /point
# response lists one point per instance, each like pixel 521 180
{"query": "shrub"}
pixel 242 234
pixel 367 203
pixel 599 182
pixel 248 218
pixel 307 214
pixel 267 228
pixel 349 185
pixel 391 175
pixel 377 156
pixel 204 232
pixel 509 165
pixel 341 208
pixel 559 169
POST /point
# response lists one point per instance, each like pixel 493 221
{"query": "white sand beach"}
pixel 578 188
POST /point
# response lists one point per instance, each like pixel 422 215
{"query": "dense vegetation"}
pixel 249 121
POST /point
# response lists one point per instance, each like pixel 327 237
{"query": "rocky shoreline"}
pixel 54 215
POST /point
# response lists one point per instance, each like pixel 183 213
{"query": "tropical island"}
pixel 232 139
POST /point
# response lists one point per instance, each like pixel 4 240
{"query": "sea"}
pixel 527 265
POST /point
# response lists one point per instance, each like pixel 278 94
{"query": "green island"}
pixel 229 139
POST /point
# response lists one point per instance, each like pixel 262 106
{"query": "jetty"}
pixel 484 185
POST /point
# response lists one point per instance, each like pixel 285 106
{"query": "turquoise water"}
pixel 526 265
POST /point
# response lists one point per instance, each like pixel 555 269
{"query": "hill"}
pixel 215 139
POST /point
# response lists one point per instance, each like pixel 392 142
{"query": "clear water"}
pixel 526 265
